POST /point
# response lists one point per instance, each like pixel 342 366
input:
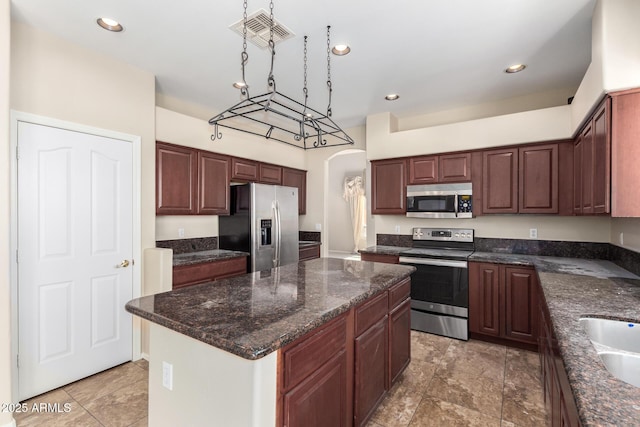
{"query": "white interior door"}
pixel 75 239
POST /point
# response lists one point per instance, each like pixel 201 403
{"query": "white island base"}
pixel 211 387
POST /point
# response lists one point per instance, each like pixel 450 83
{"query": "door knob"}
pixel 124 263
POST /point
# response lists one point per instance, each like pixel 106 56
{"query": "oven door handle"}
pixel 431 261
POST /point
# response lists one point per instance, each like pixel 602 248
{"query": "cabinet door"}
pixel 389 259
pixel 297 178
pixel 538 180
pixel 577 177
pixel 320 400
pixel 270 174
pixel 244 170
pixel 521 304
pixel 399 340
pixel 388 186
pixel 176 177
pixel 500 181
pixel 484 298
pixel 454 168
pixel 423 170
pixel 213 183
pixel 371 370
pixel 602 159
pixel 586 168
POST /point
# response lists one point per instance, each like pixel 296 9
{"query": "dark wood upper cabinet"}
pixel 270 174
pixel 587 170
pixel 454 167
pixel 423 170
pixel 601 186
pixel 388 186
pixel 444 168
pixel 538 179
pixel 577 176
pixel 213 184
pixel 176 180
pixel 500 181
pixel 297 178
pixel 244 170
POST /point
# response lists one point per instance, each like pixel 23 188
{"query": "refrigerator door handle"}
pixel 278 234
pixel 274 209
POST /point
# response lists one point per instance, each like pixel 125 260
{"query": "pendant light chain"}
pixel 271 81
pixel 305 90
pixel 329 68
pixel 244 56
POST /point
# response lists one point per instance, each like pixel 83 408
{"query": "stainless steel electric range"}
pixel 440 285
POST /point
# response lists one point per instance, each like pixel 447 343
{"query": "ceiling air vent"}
pixel 258 29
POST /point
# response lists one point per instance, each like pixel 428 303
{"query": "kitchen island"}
pixel 233 352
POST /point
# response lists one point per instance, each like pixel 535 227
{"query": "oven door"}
pixel 439 285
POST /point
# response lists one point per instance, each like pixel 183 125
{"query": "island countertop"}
pixel 258 313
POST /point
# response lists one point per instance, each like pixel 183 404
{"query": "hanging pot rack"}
pixel 279 117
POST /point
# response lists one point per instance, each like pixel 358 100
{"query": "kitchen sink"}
pixel 616 334
pixel 624 366
pixel 618 345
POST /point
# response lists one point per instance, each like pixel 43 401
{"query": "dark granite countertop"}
pixel 190 258
pixel 383 250
pixel 257 313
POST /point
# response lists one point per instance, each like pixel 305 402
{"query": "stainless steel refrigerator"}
pixel 263 221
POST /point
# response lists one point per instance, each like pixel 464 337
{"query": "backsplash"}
pixel 544 248
pixel 310 236
pixel 402 240
pixel 182 246
pixel 625 258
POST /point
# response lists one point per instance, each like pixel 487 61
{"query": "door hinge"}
pixel 18 360
pixel 17 257
pixel 17 153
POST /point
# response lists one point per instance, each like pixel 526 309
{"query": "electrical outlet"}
pixel 318 227
pixel 533 233
pixel 180 232
pixel 167 375
pixel 397 228
pixel 622 239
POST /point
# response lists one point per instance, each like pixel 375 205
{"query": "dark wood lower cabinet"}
pixel 389 259
pixel 187 275
pixel 338 374
pixel 371 372
pixel 308 252
pixel 399 339
pixel 320 400
pixel 503 303
pixel 559 400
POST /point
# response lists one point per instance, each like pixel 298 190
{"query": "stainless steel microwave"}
pixel 440 201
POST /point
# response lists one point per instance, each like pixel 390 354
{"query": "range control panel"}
pixel 444 234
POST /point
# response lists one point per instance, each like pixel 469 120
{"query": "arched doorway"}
pixel 346 167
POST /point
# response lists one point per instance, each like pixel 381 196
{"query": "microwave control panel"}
pixel 464 203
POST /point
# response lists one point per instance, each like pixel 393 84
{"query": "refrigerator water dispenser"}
pixel 265 232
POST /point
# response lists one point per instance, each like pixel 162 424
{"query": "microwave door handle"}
pixel 455 204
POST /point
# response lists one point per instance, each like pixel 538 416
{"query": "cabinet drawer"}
pixel 208 271
pixel 371 311
pixel 304 358
pixel 399 292
pixel 389 259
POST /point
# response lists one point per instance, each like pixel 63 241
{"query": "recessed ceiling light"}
pixel 239 85
pixel 516 68
pixel 341 49
pixel 110 24
pixel 392 97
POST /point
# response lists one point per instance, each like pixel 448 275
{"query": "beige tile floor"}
pixel 448 383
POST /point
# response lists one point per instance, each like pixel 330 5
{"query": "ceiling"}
pixel 436 54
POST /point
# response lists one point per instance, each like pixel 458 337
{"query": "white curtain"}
pixel 354 195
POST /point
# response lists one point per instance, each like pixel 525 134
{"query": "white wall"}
pixel 630 227
pixel 5 222
pixel 340 229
